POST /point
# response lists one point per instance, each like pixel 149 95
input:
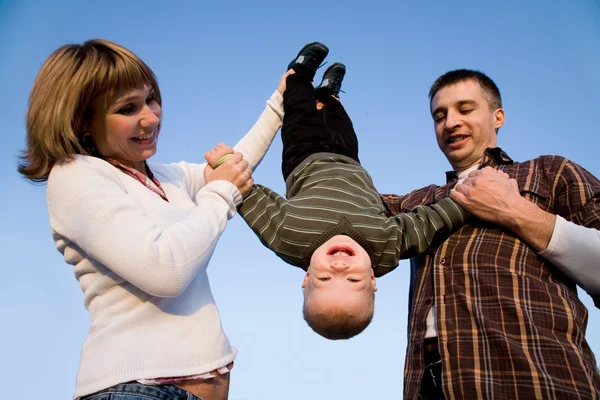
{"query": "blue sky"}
pixel 217 63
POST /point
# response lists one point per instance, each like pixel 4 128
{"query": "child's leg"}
pixel 307 131
pixel 303 132
pixel 340 126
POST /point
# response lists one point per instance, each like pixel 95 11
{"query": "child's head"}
pixel 339 289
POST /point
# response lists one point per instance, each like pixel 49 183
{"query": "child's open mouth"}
pixel 340 251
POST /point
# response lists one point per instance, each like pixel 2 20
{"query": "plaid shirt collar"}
pixel 492 157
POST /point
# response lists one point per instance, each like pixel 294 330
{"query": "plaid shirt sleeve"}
pixel 577 195
pixel 396 204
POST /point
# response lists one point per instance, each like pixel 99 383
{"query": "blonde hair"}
pixel 60 103
pixel 336 324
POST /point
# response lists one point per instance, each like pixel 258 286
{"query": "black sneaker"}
pixel 332 80
pixel 310 58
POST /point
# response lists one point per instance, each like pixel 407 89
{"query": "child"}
pixel 333 223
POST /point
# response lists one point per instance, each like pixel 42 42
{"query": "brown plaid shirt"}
pixel 509 323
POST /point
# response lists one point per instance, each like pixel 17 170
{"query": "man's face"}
pixel 464 123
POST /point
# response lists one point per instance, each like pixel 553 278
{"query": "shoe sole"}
pixel 334 65
pixel 321 45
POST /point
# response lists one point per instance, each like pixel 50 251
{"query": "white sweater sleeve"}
pixel 89 207
pixel 575 249
pixel 256 142
pixel 253 145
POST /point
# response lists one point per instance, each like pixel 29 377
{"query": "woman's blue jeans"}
pixel 137 391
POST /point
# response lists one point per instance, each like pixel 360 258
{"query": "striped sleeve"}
pixel 265 212
pixel 412 233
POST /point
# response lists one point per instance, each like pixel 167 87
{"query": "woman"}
pixel 139 236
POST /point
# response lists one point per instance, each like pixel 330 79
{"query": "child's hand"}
pixel 282 82
pixel 218 155
pixel 321 105
pixel 234 170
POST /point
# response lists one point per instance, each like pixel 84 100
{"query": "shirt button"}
pixel 443 261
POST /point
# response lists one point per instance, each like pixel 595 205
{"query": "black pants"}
pixel 431 383
pixel 307 131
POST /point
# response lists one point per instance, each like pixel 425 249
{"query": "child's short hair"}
pixel 60 102
pixel 339 324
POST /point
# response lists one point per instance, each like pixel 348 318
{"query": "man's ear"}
pixel 499 118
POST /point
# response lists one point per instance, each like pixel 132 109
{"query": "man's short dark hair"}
pixel 488 87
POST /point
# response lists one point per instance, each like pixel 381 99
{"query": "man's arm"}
pixel 567 245
pixel 494 198
pixel 575 249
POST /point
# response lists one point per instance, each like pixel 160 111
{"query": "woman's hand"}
pixel 283 81
pixel 218 155
pixel 234 170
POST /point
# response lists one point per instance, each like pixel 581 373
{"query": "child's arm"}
pixel 415 231
pixel 218 155
pixel 257 141
pixel 265 212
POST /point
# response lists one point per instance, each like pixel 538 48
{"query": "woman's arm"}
pixel 256 142
pixel 90 208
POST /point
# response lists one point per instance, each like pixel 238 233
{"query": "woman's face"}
pixel 126 126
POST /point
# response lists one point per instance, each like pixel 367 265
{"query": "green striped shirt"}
pixel 329 194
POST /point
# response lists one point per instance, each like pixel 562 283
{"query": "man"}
pixel 494 311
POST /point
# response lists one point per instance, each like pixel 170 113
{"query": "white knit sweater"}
pixel 141 262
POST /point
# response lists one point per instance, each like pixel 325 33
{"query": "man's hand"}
pixel 488 194
pixel 491 196
pixel 283 81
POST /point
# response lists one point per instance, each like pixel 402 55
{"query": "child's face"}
pixel 339 273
